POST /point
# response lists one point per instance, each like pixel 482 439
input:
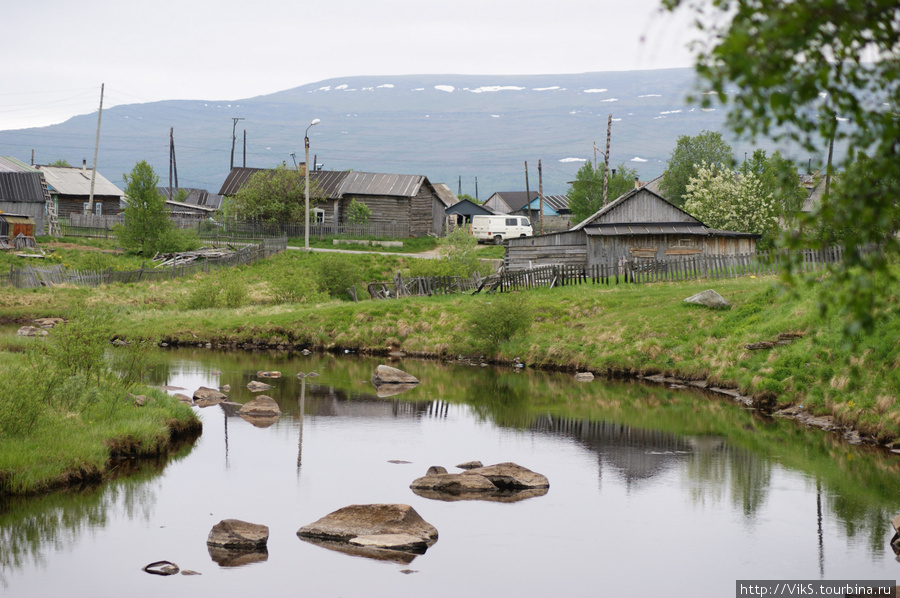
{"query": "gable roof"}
pixel 467 207
pixel 10 164
pixel 334 184
pixel 200 198
pixel 71 180
pixel 631 196
pixel 447 197
pixel 516 200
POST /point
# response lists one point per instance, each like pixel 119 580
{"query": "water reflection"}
pixel 635 441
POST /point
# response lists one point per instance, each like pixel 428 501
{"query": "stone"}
pixel 161 568
pixel 31 331
pixel 356 521
pixel 385 374
pixel 435 470
pixel 234 533
pixel 584 376
pixel 139 400
pixel 267 374
pixel 262 405
pixel 226 388
pixel 511 475
pixel 301 375
pixel 183 398
pixel 207 397
pixel 405 542
pixel 504 482
pixel 470 465
pixel 255 386
pixel 47 322
pixel 709 298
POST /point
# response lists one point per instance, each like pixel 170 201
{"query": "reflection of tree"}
pixel 503 400
pixel 31 526
pixel 722 468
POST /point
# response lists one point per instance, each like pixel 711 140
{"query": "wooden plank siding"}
pixel 568 248
pixel 644 206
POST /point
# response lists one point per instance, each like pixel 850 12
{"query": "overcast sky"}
pixel 58 52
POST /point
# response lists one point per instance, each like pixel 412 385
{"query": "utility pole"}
pixel 233 138
pixel 528 194
pixel 245 148
pixel 171 160
pixel 595 155
pixel 476 189
pixel 606 158
pixel 541 194
pixel 458 185
pixel 96 146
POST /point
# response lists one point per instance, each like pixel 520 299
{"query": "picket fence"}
pixel 624 271
pixel 32 277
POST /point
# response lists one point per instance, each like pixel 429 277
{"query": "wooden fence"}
pixel 670 270
pixel 422 285
pixel 32 277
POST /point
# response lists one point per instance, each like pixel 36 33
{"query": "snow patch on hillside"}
pixel 650 95
pixel 573 160
pixel 447 88
pixel 545 88
pixel 386 86
pixel 489 88
pixel 595 90
pixel 636 159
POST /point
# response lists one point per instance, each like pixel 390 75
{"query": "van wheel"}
pixel 498 240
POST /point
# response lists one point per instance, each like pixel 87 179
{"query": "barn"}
pixel 640 226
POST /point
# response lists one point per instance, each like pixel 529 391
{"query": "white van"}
pixel 497 228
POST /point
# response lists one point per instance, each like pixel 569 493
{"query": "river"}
pixel 654 491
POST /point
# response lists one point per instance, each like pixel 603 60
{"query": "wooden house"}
pixel 409 204
pixel 23 193
pixel 508 202
pixel 70 189
pixel 637 227
pixel 460 213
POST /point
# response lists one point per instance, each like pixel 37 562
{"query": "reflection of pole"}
pixel 225 417
pixel 819 520
pixel 302 404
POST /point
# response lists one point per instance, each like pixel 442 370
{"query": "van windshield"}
pixel 525 222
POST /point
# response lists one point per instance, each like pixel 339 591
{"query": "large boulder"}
pixel 504 482
pixel 373 528
pixel 385 374
pixel 709 298
pixel 233 533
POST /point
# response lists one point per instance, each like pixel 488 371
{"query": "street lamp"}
pixel 306 167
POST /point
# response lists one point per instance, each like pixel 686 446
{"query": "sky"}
pixel 57 53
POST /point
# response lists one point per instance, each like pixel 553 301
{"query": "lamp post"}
pixel 306 167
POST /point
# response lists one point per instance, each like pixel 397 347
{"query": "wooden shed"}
pixel 70 188
pixel 639 226
pixel 13 225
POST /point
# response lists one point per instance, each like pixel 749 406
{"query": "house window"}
pixel 98 208
pixel 318 216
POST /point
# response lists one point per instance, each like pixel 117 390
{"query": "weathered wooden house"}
pixel 640 226
pixel 70 189
pixel 408 203
pixel 23 193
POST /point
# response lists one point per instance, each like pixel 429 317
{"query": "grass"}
pixel 615 330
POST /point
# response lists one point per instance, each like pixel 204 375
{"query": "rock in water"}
pixel 385 374
pixel 709 298
pixel 233 533
pixel 371 521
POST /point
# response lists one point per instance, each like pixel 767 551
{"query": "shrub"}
pixel 291 282
pixel 358 212
pixel 499 319
pixel 222 289
pixel 336 275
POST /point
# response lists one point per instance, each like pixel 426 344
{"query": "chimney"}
pixel 637 182
pixel 84 165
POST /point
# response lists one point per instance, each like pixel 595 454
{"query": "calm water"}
pixel 653 492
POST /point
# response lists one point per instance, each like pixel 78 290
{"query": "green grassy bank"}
pixel 616 330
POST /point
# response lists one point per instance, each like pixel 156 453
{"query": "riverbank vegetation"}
pixel 296 300
pixel 69 407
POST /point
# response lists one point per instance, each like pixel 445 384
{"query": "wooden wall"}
pixel 569 248
pixel 66 206
pixel 644 207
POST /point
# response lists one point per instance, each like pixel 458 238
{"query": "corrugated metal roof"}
pixel 327 182
pixel 10 164
pixel 666 228
pixel 447 197
pixel 371 183
pixel 195 197
pixel 23 187
pixel 70 180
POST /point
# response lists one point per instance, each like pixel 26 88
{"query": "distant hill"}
pixel 441 126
